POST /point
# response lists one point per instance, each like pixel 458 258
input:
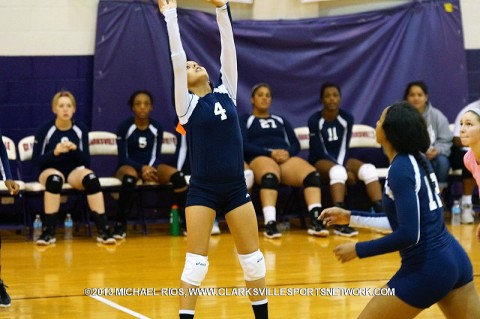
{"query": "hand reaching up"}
pixel 165 5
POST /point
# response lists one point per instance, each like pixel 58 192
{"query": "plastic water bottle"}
pixel 456 212
pixel 68 227
pixel 37 227
pixel 174 221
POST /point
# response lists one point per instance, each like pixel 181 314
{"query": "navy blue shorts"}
pixel 424 284
pixel 222 197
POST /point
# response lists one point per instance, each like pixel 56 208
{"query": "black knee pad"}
pixel 269 181
pixel 54 184
pixel 178 180
pixel 129 182
pixel 91 184
pixel 312 180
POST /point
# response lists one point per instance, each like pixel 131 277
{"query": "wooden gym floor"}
pixel 50 282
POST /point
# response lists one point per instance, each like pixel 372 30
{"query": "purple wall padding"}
pixel 371 55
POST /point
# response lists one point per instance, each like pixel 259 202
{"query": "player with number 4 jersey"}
pixel 208 114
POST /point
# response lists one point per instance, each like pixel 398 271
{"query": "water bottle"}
pixel 174 221
pixel 456 212
pixel 37 227
pixel 68 227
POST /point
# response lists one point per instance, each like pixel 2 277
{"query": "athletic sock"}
pixel 260 309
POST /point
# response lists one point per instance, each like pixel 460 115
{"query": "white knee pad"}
pixel 248 177
pixel 337 174
pixel 367 173
pixel 253 265
pixel 195 270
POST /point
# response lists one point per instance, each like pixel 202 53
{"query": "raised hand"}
pixel 165 5
pixel 335 216
pixel 217 3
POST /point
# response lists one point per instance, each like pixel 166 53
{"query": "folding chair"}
pixel 9 202
pixel 103 152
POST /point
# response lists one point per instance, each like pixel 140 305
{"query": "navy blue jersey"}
pixel 138 147
pixel 46 139
pixel 415 213
pixel 215 146
pixel 214 139
pixel 262 135
pixel 329 140
pixel 5 172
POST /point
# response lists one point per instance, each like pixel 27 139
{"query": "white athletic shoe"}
pixel 215 228
pixel 467 214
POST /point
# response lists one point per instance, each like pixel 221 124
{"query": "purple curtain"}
pixel 372 56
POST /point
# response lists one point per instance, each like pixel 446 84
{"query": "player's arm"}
pixel 178 56
pixel 228 55
pixel 402 182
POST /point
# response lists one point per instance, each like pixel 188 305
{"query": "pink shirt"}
pixel 472 165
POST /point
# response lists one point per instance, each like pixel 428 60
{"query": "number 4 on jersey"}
pixel 219 110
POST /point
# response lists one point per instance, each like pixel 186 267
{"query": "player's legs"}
pixel 392 307
pixel 85 179
pixel 329 169
pixel 461 303
pixel 297 172
pixel 5 299
pixel 53 181
pixel 367 173
pixel 129 176
pixel 242 222
pixel 196 262
pixel 267 175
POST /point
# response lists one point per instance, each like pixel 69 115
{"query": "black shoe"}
pixel 345 231
pixel 317 229
pixel 46 238
pixel 105 237
pixel 4 297
pixel 271 230
pixel 120 231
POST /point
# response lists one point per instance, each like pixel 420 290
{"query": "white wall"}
pixel 471 23
pixel 67 27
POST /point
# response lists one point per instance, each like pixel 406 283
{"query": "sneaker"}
pixel 215 228
pixel 4 297
pixel 344 230
pixel 271 230
pixel 105 237
pixel 317 229
pixel 467 214
pixel 45 239
pixel 119 232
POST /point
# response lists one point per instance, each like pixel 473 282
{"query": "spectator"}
pixel 61 152
pixel 416 94
pixel 139 148
pixel 330 134
pixel 270 147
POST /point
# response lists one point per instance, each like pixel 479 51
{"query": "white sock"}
pixel 269 213
pixel 312 206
